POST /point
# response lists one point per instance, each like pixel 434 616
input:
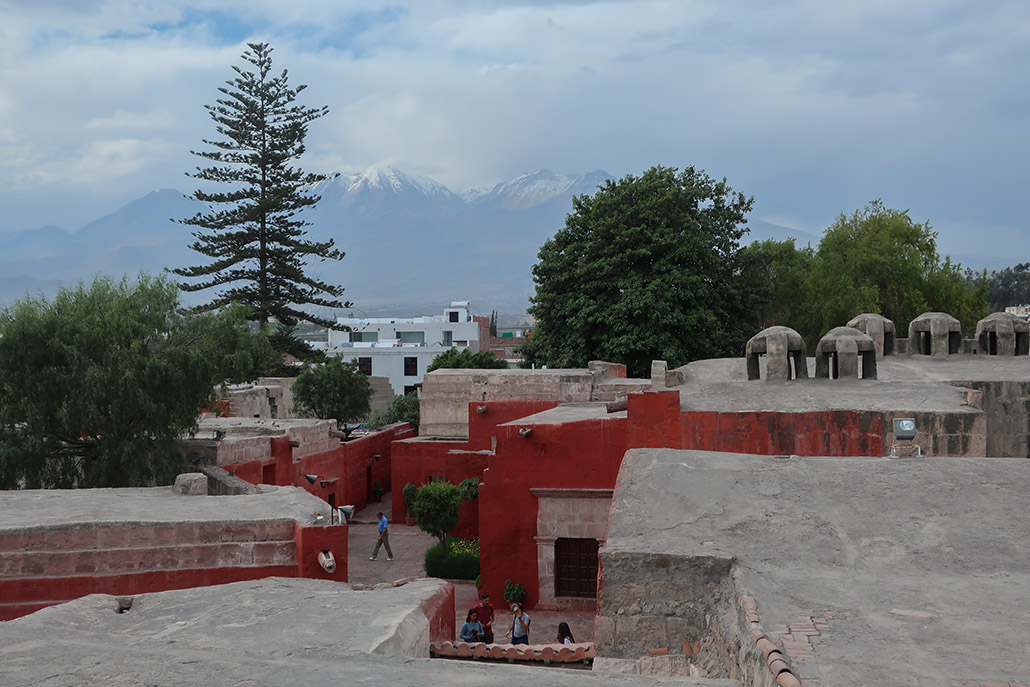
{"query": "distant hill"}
pixel 409 239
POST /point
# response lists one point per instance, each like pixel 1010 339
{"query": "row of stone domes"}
pixel 851 351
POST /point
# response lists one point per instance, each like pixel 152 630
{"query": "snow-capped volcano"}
pixel 535 188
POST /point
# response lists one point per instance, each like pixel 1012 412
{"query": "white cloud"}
pixel 813 107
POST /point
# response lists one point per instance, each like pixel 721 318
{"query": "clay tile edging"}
pixel 774 657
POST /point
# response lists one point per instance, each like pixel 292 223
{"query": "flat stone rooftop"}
pixel 48 508
pixel 274 632
pixel 917 570
pixel 568 412
pixel 913 383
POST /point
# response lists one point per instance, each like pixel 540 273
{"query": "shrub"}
pixel 469 488
pixel 436 509
pixel 514 592
pixel 408 493
pixel 461 563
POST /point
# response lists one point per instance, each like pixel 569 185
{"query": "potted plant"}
pixel 514 592
pixel 378 491
pixel 409 493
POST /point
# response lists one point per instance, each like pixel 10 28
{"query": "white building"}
pixel 401 349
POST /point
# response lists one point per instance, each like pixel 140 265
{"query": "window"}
pixel 364 336
pixel 411 367
pixel 575 567
pixel 412 337
pixel 448 338
pixel 452 316
pixel 410 389
pixel 365 366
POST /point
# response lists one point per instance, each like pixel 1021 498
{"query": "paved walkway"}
pixel 409 545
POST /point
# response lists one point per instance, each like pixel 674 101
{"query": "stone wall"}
pixel 447 393
pixel 675 615
pixel 43 566
pixel 1006 427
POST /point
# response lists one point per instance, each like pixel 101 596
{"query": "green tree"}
pixel 252 232
pixel 401 409
pixel 436 509
pixel 778 273
pixel 334 390
pixel 453 359
pixel 1005 287
pixel 879 260
pixel 98 385
pixel 493 323
pixel 647 268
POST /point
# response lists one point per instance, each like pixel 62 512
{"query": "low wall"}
pixel 42 566
pixel 680 615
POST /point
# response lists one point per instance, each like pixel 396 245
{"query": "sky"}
pixel 814 107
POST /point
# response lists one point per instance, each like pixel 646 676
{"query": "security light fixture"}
pixel 904 428
pixel 524 432
pixel 326 482
pixel 310 478
pixel 480 409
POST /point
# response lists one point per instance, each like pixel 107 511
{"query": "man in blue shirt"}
pixel 384 538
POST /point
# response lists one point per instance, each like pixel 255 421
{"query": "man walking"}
pixel 384 538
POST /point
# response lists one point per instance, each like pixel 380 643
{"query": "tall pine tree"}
pixel 252 232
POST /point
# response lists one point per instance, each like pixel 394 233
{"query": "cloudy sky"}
pixel 814 107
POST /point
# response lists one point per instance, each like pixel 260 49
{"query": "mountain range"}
pixel 410 241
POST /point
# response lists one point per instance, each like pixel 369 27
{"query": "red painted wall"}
pixel 350 470
pixel 655 421
pixel 45 566
pixel 572 455
pixel 417 460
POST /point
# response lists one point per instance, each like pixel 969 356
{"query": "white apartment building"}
pixel 401 349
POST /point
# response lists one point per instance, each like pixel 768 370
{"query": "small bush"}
pixel 514 592
pixel 461 564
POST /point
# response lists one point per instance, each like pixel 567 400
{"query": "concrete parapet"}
pixel 845 352
pixel 1002 333
pixel 936 334
pixel 878 328
pixel 783 349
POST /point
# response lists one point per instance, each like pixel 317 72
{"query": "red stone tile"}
pixel 659 652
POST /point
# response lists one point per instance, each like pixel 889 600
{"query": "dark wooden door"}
pixel 575 567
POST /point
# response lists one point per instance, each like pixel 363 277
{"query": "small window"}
pixel 357 337
pixel 453 316
pixel 448 338
pixel 575 567
pixel 437 478
pixel 365 366
pixel 411 367
pixel 410 389
pixel 412 337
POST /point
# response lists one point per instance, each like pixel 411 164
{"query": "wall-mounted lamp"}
pixel 310 478
pixel 480 409
pixel 376 457
pixel 524 432
pixel 346 513
pixel 326 482
pixel 904 428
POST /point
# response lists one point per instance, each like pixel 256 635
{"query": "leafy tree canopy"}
pixel 334 390
pixel 97 385
pixel 453 359
pixel 252 231
pixel 1005 287
pixel 647 268
pixel 879 260
pixel 402 409
pixel 436 509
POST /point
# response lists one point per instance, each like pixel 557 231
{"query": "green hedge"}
pixel 461 564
